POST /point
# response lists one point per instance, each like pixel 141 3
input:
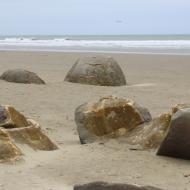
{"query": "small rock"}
pixel 186 175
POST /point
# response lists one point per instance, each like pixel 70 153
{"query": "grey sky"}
pixel 94 17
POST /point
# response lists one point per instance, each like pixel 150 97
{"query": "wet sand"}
pixel 155 81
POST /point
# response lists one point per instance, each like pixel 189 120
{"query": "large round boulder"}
pixel 177 142
pixel 97 70
pixel 107 116
pixel 21 76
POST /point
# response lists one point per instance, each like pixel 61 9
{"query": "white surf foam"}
pixel 169 44
pixel 102 46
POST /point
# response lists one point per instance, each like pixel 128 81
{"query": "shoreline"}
pixel 97 52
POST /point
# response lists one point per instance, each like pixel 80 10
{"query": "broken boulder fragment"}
pixel 23 130
pixel 107 116
pixel 179 107
pixel 150 134
pixel 8 150
pixel 33 136
pixel 21 76
pixel 11 118
pixel 96 70
pixel 177 142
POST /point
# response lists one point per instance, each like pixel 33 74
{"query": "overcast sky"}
pixel 18 17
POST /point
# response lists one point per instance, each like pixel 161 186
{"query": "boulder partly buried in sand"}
pixel 177 142
pixel 8 150
pixel 107 116
pixel 23 130
pixel 21 76
pixel 112 186
pixel 150 134
pixel 33 136
pixel 97 70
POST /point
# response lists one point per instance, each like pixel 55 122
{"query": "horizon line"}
pixel 94 34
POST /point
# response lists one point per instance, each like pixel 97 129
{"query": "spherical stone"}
pixel 21 76
pixel 97 70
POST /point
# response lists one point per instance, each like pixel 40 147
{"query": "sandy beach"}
pixel 155 81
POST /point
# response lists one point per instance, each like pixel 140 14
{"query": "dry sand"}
pixel 155 81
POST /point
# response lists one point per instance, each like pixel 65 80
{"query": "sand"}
pixel 155 81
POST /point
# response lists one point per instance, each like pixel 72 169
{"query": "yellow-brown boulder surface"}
pixel 108 115
pixel 150 134
pixel 31 135
pixel 179 107
pixel 11 118
pixel 8 150
pixel 15 130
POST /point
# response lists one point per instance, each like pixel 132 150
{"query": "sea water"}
pixel 177 44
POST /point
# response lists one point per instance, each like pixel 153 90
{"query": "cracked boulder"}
pixel 11 118
pixel 107 116
pixel 21 76
pixel 8 150
pixel 33 136
pixel 96 70
pixel 23 130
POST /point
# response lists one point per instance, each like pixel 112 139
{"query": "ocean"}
pixel 170 44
